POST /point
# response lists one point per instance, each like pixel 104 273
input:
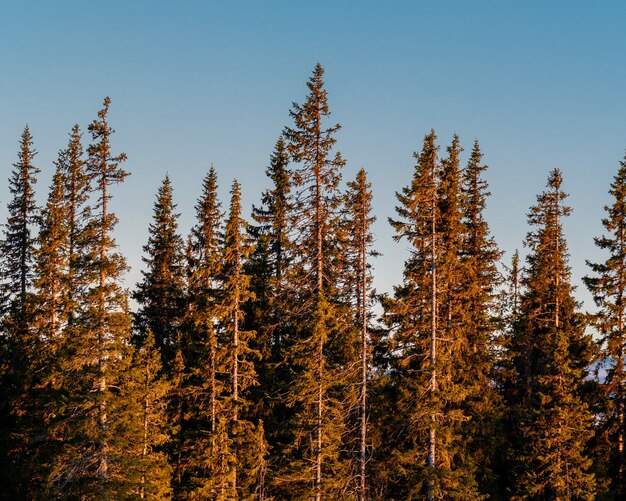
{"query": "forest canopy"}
pixel 255 360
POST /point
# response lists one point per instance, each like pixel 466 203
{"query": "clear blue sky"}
pixel 540 84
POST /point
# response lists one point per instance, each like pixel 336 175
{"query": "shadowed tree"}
pixel 551 355
pixel 317 352
pixel 608 286
pixel 160 294
pixel 17 343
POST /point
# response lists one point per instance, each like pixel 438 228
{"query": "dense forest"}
pixel 255 362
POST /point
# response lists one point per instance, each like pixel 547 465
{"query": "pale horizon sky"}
pixel 540 84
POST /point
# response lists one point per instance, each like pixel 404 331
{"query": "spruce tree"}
pixel 427 337
pixel 361 239
pixel 95 350
pixel 479 290
pixel 18 343
pixel 316 353
pixel 145 463
pixel 608 286
pixel 551 355
pixel 247 439
pixel 268 266
pixel 48 320
pixel 52 310
pixel 201 471
pixel 19 242
pixel 160 294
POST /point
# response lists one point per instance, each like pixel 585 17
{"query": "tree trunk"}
pixel 433 333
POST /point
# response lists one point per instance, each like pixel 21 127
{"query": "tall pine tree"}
pixel 551 355
pixel 430 459
pixel 608 286
pixel 161 293
pixel 316 467
pixel 17 342
pixel 361 239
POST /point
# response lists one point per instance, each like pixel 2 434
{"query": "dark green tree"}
pixel 200 469
pixel 608 286
pixel 318 351
pixel 95 350
pixel 429 456
pixel 478 291
pixel 17 342
pixel 245 439
pixel 551 356
pixel 361 240
pixel 160 294
pixel 268 266
pixel 146 389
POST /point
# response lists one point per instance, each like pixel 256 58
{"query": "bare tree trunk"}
pixel 433 332
pixel 621 422
pixel 144 451
pixel 317 484
pixel 235 381
pixel 364 358
pixel 102 384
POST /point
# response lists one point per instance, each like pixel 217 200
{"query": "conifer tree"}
pixel 248 441
pixel 203 472
pixel 317 468
pixel 146 465
pixel 608 286
pixel 51 310
pixel 108 301
pixel 48 321
pixel 17 340
pixel 95 351
pixel 425 316
pixel 360 220
pixel 73 166
pixel 268 267
pixel 551 354
pixel 18 244
pixel 161 292
pixel 478 290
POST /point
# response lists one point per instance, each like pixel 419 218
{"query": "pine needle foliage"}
pixel 551 354
pixel 607 283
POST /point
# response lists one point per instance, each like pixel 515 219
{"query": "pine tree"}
pixel 248 442
pixel 478 290
pixel 52 308
pixel 146 466
pixel 18 344
pixel 360 220
pixel 551 354
pixel 160 294
pixel 202 471
pixel 48 321
pixel 95 350
pixel 608 286
pixel 268 267
pixel 78 188
pixel 18 244
pixel 108 300
pixel 316 353
pixel 427 337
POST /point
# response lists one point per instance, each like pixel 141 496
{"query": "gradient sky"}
pixel 540 84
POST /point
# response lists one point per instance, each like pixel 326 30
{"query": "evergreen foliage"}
pixel 425 351
pixel 551 355
pixel 253 366
pixel 18 345
pixel 608 286
pixel 161 293
pixel 319 353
